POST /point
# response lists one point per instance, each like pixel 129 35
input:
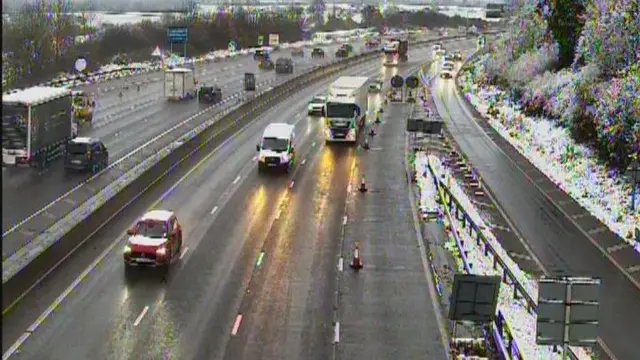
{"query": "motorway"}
pixel 260 270
pixel 559 247
pixel 128 122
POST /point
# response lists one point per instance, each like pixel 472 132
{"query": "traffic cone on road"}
pixel 363 185
pixel 356 261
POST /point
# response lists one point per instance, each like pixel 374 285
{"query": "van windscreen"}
pixel 275 144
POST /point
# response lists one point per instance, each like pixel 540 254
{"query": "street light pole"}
pixel 634 169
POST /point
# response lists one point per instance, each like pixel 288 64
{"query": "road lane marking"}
pixel 141 316
pixel 336 333
pixel 16 345
pixel 344 220
pixel 184 251
pixel 236 180
pixel 278 214
pixel 213 211
pixel 260 259
pixel 236 325
pixel 291 184
pixel 349 188
pixel 341 264
pixel 304 161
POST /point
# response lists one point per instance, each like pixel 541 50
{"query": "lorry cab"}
pixel 83 106
pixel 86 154
pixel 276 148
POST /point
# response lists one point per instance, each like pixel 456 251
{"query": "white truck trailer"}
pixel 36 125
pixel 346 108
pixel 179 84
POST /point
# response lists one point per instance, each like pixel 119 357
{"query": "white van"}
pixel 276 148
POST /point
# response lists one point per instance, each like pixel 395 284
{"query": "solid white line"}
pixel 336 333
pixel 341 264
pixel 141 316
pixel 236 325
pixel 213 211
pixel 184 251
pixel 344 220
pixel 349 188
pixel 291 184
pixel 236 180
pixel 15 346
pixel 278 214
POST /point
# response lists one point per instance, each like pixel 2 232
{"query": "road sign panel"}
pixel 177 35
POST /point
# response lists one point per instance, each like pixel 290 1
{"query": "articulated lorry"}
pixel 37 123
pixel 346 108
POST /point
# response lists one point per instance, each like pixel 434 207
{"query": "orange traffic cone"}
pixel 356 261
pixel 363 185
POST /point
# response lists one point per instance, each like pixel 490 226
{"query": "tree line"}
pixel 45 37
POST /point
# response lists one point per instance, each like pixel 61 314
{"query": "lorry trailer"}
pixel 36 125
pixel 179 84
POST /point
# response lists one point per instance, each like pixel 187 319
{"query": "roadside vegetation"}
pixel 575 62
pixel 40 40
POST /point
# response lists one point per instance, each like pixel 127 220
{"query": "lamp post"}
pixel 634 170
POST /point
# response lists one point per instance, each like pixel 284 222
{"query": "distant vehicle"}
pixel 276 149
pixel 179 84
pixel 284 66
pixel 447 71
pixel 36 124
pixel 155 240
pixel 348 47
pixel 86 154
pixel 342 53
pixel 260 54
pixel 376 86
pixel 249 82
pixel 210 94
pixel 266 64
pixel 317 53
pixel 297 52
pixel 346 108
pixel 372 44
pixel 83 106
pixel 316 105
pixel 457 56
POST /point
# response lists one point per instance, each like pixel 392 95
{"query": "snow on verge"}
pixel 571 166
pixel 520 321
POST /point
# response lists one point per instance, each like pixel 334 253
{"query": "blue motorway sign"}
pixel 177 35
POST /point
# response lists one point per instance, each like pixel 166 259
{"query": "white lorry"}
pixel 36 125
pixel 346 108
pixel 179 84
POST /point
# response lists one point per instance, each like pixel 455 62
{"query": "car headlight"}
pixel 310 107
pixel 127 249
pixel 261 157
pixel 161 251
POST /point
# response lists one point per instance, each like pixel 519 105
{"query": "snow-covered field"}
pixel 519 320
pixel 571 166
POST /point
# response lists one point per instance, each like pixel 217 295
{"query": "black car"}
pixel 342 53
pixel 249 82
pixel 86 154
pixel 259 54
pixel 210 94
pixel 317 53
pixel 284 66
